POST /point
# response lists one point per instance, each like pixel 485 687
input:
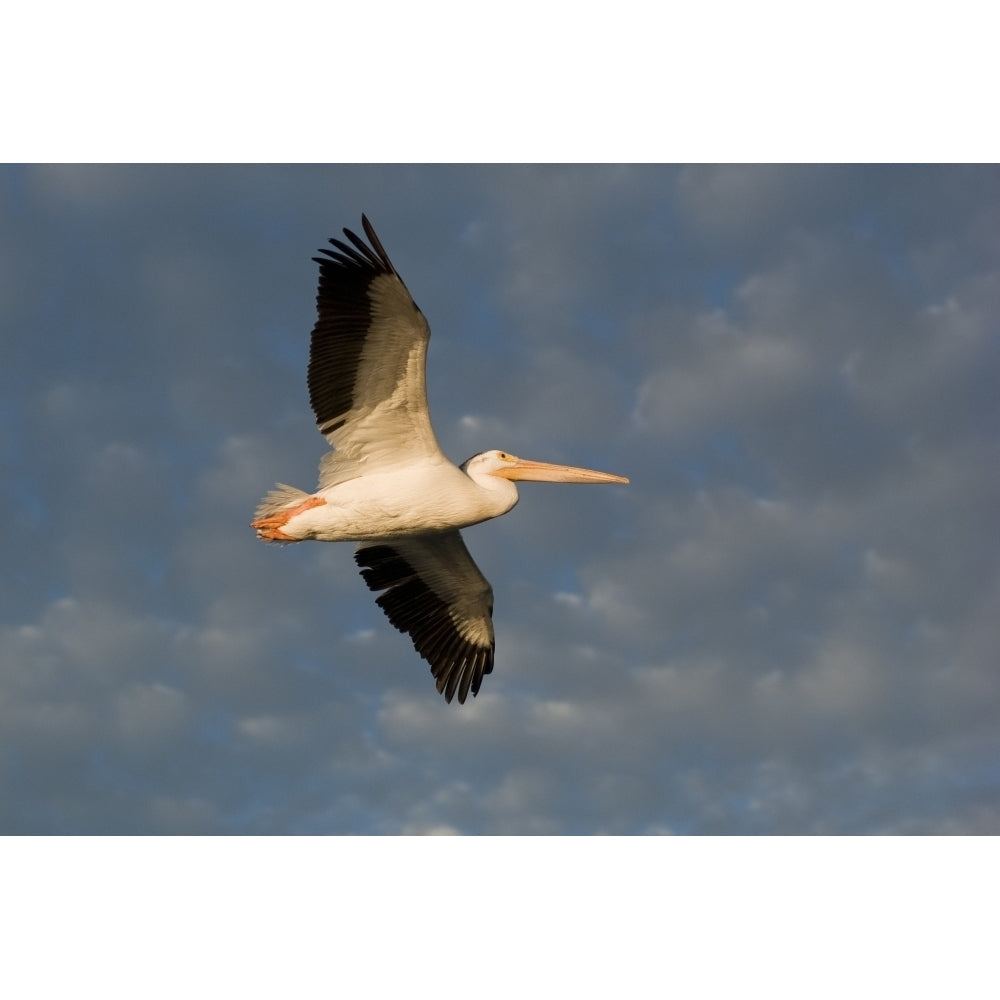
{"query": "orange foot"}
pixel 269 528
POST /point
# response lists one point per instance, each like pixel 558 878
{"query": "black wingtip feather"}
pixel 344 316
pixel 412 607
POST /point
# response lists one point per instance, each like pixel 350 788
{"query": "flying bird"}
pixel 386 484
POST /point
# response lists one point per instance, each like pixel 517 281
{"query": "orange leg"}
pixel 269 528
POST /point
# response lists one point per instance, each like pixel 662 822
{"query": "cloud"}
pixel 785 624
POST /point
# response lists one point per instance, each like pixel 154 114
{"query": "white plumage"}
pixel 386 483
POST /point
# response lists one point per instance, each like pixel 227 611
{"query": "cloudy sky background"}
pixel 787 623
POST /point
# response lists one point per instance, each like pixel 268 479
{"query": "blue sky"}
pixel 786 624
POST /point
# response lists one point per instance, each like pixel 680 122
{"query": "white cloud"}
pixel 787 623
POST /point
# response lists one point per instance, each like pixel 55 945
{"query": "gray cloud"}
pixel 786 624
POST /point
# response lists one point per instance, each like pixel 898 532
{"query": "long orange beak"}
pixel 543 472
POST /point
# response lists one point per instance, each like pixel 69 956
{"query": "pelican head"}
pixel 503 465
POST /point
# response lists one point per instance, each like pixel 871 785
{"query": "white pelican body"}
pixel 408 499
pixel 386 484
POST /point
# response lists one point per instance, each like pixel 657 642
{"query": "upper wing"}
pixel 367 361
pixel 435 592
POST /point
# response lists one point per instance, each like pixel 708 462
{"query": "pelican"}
pixel 386 484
